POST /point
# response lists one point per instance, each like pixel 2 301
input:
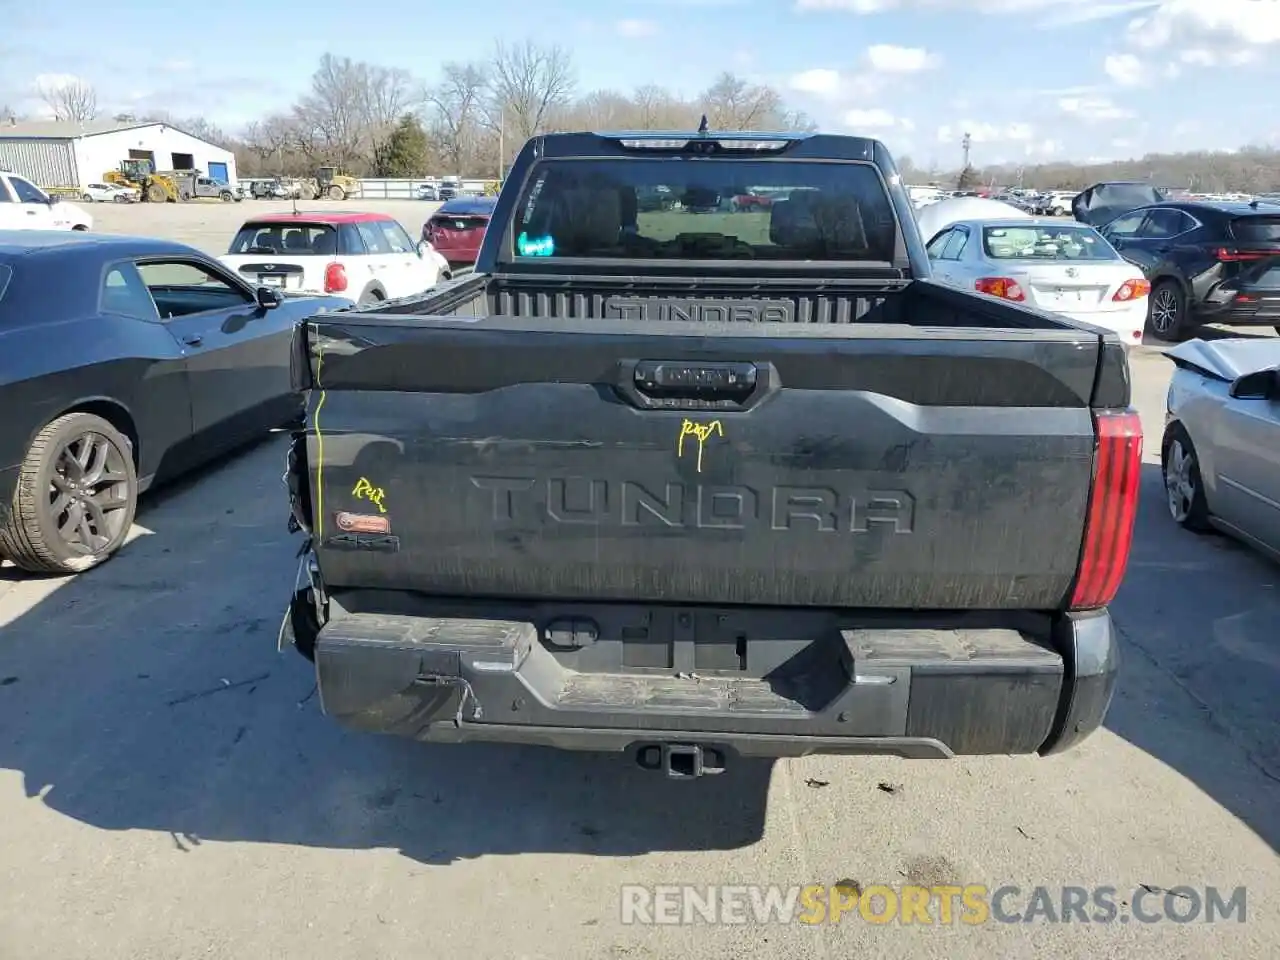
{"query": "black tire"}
pixel 1192 510
pixel 226 196
pixel 87 199
pixel 80 228
pixel 1167 309
pixel 31 538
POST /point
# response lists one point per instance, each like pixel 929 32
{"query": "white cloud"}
pixel 1086 12
pixel 1221 28
pixel 888 58
pixel 852 6
pixel 873 119
pixel 1042 149
pixel 636 28
pixel 1093 109
pixel 49 82
pixel 1052 12
pixel 1198 57
pixel 818 81
pixel 1124 68
pixel 986 132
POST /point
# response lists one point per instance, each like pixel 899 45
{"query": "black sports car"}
pixel 124 361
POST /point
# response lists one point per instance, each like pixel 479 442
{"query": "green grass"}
pixel 664 225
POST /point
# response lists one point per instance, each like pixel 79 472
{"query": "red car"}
pixel 457 228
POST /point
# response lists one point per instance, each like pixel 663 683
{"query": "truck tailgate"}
pixel 855 466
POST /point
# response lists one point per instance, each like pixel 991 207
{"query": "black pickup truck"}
pixel 704 484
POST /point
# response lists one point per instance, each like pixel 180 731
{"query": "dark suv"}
pixel 1207 263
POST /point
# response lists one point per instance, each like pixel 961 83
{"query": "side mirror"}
pixel 1261 385
pixel 269 298
pixel 423 248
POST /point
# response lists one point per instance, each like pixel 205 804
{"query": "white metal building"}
pixel 56 154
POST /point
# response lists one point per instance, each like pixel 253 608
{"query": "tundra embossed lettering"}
pixel 707 311
pixel 784 509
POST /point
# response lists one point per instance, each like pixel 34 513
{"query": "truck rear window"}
pixel 705 209
pixel 285 239
pixel 1257 229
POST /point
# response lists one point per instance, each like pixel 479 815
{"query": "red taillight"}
pixel 1113 507
pixel 1230 255
pixel 1001 287
pixel 1132 290
pixel 335 278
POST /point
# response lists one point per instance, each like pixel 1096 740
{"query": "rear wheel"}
pixel 1184 489
pixel 226 196
pixel 75 499
pixel 1167 312
pixel 156 193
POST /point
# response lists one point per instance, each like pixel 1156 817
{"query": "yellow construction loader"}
pixel 139 174
pixel 334 185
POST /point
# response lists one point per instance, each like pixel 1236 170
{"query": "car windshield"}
pixel 5 273
pixel 285 239
pixel 659 208
pixel 1052 242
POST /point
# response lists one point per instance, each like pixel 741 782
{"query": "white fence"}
pixel 405 189
pixel 383 189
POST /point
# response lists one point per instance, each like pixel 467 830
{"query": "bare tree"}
pixel 330 119
pixel 72 101
pixel 455 107
pixel 527 84
pixel 732 103
pixel 598 110
pixel 274 136
pixel 204 129
pixel 385 96
pixel 657 109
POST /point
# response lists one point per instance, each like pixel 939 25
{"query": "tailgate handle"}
pixel 680 380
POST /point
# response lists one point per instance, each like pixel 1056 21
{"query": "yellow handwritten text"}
pixel 364 490
pixel 700 432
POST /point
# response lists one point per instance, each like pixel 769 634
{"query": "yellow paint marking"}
pixel 699 431
pixel 364 490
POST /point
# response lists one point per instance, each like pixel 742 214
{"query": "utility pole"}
pixel 965 144
pixel 502 139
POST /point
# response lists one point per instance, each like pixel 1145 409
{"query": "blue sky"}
pixel 1028 79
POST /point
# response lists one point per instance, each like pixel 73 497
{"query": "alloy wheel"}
pixel 1164 310
pixel 1179 487
pixel 89 493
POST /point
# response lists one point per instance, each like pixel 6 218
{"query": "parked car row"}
pixel 184 355
pixel 1207 261
pixel 1166 266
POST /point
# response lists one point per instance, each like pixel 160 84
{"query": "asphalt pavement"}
pixel 169 788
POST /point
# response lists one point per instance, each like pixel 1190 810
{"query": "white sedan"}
pixel 109 193
pixel 1065 268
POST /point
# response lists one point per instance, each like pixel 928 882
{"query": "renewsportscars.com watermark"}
pixel 971 905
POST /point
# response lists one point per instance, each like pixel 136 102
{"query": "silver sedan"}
pixel 1221 447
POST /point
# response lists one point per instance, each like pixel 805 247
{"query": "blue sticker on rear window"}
pixel 528 246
